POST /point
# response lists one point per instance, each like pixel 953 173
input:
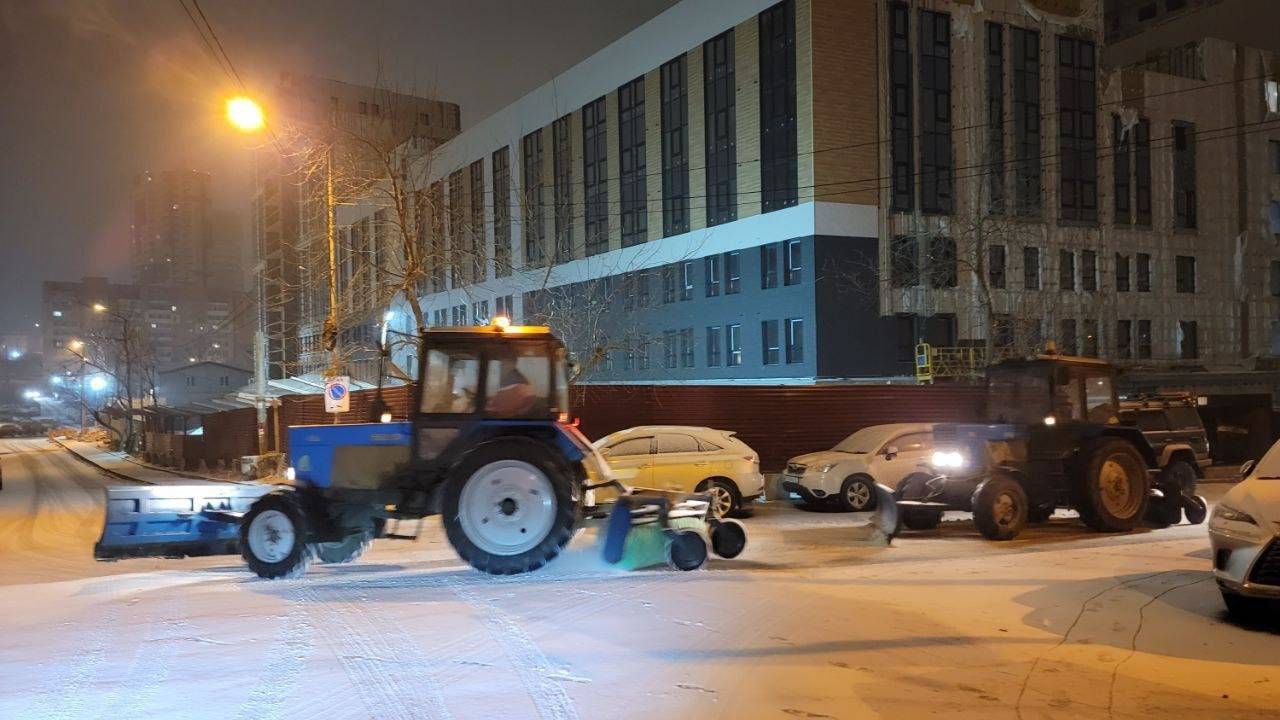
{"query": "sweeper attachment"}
pixel 646 528
pixel 486 447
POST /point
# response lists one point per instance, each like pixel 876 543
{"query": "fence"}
pixel 777 421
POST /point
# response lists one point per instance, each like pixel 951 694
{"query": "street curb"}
pixel 92 464
pixel 130 478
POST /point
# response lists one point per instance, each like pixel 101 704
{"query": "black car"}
pixel 1172 424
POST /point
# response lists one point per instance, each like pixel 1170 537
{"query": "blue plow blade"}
pixel 175 520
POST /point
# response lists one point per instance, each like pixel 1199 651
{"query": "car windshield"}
pixel 866 440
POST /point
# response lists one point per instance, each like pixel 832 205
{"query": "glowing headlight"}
pixel 824 468
pixel 290 474
pixel 1050 420
pixel 1226 512
pixel 948 459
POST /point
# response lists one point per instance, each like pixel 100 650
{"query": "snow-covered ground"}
pixel 808 623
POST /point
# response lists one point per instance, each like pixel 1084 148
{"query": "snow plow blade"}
pixel 174 520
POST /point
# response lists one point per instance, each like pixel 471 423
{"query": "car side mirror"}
pixel 1246 468
pixel 890 451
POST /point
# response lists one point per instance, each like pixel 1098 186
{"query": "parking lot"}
pixel 811 622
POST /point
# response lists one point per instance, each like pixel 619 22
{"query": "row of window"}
pixel 477 314
pixel 780 341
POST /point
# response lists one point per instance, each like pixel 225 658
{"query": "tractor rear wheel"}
pixel 509 507
pixel 273 536
pixel 1000 508
pixel 348 549
pixel 1110 487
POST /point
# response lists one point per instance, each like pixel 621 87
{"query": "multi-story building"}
pixel 289 206
pixel 168 325
pixel 803 190
pixel 174 242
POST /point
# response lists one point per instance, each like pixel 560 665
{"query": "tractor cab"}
pixel 1052 389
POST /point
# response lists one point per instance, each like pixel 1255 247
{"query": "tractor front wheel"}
pixel 509 507
pixel 273 536
pixel 348 549
pixel 1000 508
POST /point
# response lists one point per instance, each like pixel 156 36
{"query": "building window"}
pixel 1067 336
pixel 1121 162
pixel 1089 271
pixel 768 266
pixel 1188 342
pixel 675 149
pixel 769 341
pixel 996 262
pixel 1184 175
pixel 721 131
pixel 1077 130
pixel 480 311
pixel 935 112
pixel 942 262
pixel 595 176
pixel 791 262
pixel 995 118
pixel 642 288
pixel 778 106
pixel 1066 270
pixel 668 283
pixel 477 262
pixel 642 353
pixel 732 273
pixel 1144 339
pixel 1185 273
pixel 1031 268
pixel 1144 272
pixel 504 305
pixel 1124 339
pixel 1091 338
pixel 669 349
pixel 795 340
pixel 1275 157
pixel 901 151
pixel 1025 57
pixel 686 280
pixel 533 224
pixel 631 156
pixel 711 269
pixel 437 253
pixel 1122 273
pixel 501 181
pixel 686 348
pixel 905 332
pixel 1275 278
pixel 733 344
pixel 562 173
pixel 713 346
pixel 1142 172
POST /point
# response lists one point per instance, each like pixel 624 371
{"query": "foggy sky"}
pixel 94 91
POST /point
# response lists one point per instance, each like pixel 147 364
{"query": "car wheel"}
pixel 1246 609
pixel 1000 508
pixel 857 494
pixel 725 500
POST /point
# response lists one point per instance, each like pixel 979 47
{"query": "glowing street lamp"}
pixel 97 383
pixel 99 308
pixel 75 345
pixel 244 114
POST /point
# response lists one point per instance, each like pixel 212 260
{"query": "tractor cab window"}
pixel 450 382
pixel 1098 400
pixel 1066 396
pixel 518 383
pixel 1018 395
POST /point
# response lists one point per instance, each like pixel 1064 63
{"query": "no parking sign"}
pixel 337 394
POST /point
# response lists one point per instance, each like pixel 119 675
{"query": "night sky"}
pixel 94 91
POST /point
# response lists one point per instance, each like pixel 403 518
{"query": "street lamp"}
pixel 244 114
pixel 75 346
pixel 99 308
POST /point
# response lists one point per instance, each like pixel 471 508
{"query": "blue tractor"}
pixel 488 447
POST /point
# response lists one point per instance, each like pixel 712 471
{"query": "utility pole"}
pixel 331 235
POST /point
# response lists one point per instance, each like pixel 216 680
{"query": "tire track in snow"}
pixel 65 693
pixel 392 682
pixel 536 673
pixel 285 662
pixel 153 661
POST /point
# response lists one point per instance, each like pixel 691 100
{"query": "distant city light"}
pixel 15 354
pixel 57 313
pixel 55 380
pixel 75 345
pixel 99 307
pixel 97 383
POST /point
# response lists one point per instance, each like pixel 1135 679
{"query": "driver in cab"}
pixel 514 396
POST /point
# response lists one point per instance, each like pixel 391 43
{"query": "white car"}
pixel 884 454
pixel 1244 531
pixel 686 459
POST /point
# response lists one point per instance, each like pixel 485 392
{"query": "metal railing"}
pixel 954 363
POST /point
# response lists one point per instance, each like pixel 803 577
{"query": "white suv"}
pixel 884 454
pixel 686 459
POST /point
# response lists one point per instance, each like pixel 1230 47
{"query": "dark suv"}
pixel 1172 425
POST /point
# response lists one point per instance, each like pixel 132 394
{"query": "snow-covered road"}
pixel 1059 624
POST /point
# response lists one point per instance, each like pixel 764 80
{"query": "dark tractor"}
pixel 1053 439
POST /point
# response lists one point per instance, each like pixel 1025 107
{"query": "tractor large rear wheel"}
pixel 509 507
pixel 1110 485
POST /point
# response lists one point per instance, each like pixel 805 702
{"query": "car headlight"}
pixel 825 468
pixel 1228 513
pixel 948 459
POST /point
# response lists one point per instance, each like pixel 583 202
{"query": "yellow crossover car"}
pixel 686 459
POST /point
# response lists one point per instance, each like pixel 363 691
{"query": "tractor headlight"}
pixel 290 474
pixel 1050 420
pixel 948 459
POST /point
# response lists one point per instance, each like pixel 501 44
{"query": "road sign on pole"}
pixel 337 394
